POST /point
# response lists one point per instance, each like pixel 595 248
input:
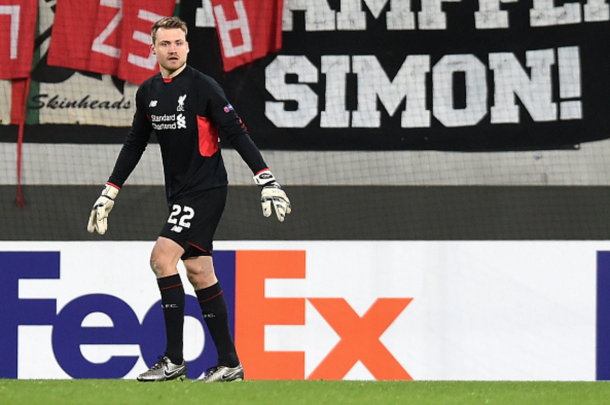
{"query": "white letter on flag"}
pixel 225 27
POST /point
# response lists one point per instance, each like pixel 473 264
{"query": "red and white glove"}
pixel 98 219
pixel 271 192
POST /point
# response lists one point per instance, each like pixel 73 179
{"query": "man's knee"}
pixel 164 257
pixel 157 266
pixel 200 271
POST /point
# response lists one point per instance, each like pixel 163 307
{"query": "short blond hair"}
pixel 168 23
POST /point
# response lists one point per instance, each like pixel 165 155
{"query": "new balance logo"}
pixel 181 121
pixel 153 103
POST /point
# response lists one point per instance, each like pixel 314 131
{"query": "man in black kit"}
pixel 188 110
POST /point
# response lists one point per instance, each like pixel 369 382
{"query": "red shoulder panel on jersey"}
pixel 208 136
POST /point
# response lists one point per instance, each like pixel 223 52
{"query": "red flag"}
pixel 248 29
pixel 107 36
pixel 18 19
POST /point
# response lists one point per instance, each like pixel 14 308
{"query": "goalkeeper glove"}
pixel 271 192
pixel 98 219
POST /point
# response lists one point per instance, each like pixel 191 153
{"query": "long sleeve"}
pixel 233 129
pixel 134 145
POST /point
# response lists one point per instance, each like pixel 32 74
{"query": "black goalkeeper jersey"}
pixel 188 113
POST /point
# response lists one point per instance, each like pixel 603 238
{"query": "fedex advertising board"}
pixel 399 310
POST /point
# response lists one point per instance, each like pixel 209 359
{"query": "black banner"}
pixel 484 75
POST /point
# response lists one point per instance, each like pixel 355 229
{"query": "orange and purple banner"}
pixel 463 310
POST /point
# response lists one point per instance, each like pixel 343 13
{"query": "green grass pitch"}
pixel 129 392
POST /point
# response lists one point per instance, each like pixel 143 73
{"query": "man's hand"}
pixel 272 193
pixel 98 219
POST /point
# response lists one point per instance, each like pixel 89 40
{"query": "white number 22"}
pixel 181 216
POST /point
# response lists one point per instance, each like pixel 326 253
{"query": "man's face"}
pixel 170 48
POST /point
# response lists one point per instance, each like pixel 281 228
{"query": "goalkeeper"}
pixel 187 110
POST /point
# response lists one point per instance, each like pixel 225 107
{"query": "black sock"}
pixel 172 301
pixel 216 316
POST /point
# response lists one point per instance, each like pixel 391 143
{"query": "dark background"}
pixel 327 213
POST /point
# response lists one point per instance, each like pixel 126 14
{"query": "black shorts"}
pixel 193 220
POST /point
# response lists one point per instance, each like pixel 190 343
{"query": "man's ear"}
pixel 152 49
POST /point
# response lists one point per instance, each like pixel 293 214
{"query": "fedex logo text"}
pixel 252 315
pixel 358 335
pixel 318 310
